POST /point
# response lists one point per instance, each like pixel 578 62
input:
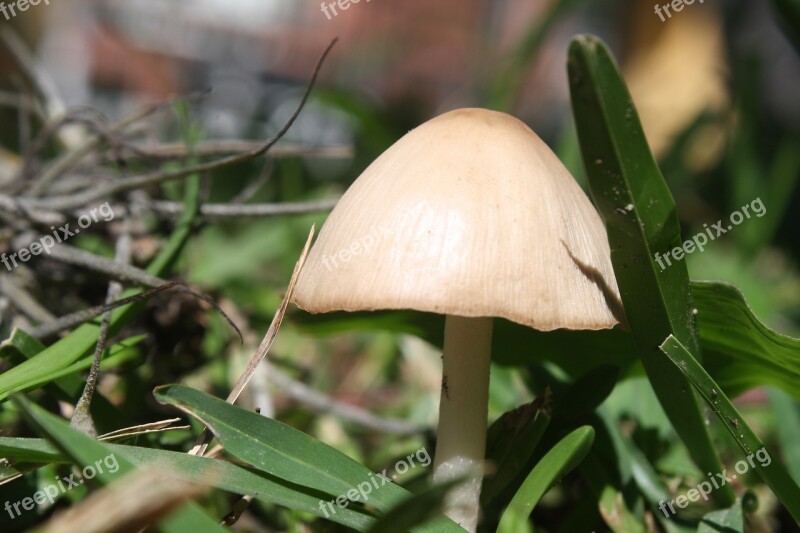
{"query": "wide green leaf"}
pixel 742 352
pixel 641 221
pixel 787 413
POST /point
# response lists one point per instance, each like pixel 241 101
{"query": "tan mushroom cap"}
pixel 470 214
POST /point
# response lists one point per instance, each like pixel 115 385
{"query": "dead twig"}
pixel 82 417
pixel 221 211
pixel 24 301
pixel 202 442
pixel 322 403
pixel 35 75
pixel 74 201
pixel 232 147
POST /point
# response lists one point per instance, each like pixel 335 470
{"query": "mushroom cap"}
pixel 469 214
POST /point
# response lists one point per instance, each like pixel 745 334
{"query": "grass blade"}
pixel 289 454
pixel 556 463
pixel 773 474
pixel 86 452
pixel 220 474
pixel 640 218
pixel 278 449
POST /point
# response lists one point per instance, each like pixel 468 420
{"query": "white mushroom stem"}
pixel 461 436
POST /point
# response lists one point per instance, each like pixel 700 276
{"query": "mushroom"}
pixel 470 215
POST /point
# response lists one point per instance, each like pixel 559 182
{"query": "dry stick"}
pixel 202 442
pixel 233 147
pixel 253 187
pixel 95 120
pixel 141 498
pixel 238 510
pixel 142 429
pixel 82 417
pixel 325 404
pixel 74 201
pixel 79 317
pixel 74 157
pixel 124 272
pixel 221 211
pixel 34 74
pixel 119 271
pixel 23 300
pixel 10 99
pixel 12 205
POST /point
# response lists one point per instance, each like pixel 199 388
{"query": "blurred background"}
pixel 717 86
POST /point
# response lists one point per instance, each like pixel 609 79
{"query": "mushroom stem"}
pixel 461 435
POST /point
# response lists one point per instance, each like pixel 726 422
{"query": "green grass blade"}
pixel 556 463
pixel 419 512
pixel 640 218
pixel 773 474
pixel 280 450
pixel 289 454
pixel 85 451
pixel 519 447
pixel 24 449
pixel 20 346
pixel 220 474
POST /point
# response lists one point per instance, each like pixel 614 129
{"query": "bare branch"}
pixel 220 211
pixel 74 201
pixel 113 269
pixel 82 417
pixel 23 300
pixel 34 74
pixel 234 147
pixel 122 272
pixel 323 403
pixel 79 317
